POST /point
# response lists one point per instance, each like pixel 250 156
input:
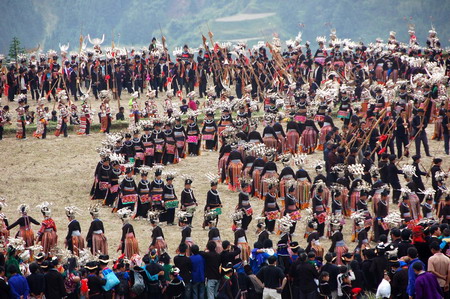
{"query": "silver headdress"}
pixel 356 169
pixel 71 211
pixel 124 213
pixel 23 208
pixel 299 160
pixel 212 177
pixel 285 224
pixel 94 210
pixel 153 216
pixel 409 170
pixel 45 208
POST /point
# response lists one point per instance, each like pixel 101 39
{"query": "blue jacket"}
pixel 18 286
pixel 198 268
pixel 411 289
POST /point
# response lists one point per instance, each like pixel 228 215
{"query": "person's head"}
pixel 195 249
pixel 211 246
pixel 272 260
pixel 405 234
pixel 435 230
pixel 226 245
pixel 324 276
pixel 268 244
pixel 182 248
pixel 412 252
pixel 435 248
pixel 12 269
pixel 395 234
pixel 417 267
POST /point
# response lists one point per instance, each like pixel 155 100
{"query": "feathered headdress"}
pixel 45 208
pixel 356 169
pixel 71 211
pixel 429 192
pixel 393 219
pixel 321 39
pixel 213 178
pixel 319 167
pixel 374 171
pixel 409 170
pixel 124 213
pixel 153 216
pixel 271 182
pixel 120 159
pixel 285 159
pixel 3 202
pixel 94 210
pixel 285 224
pixel 339 169
pixel 23 208
pixel 261 221
pixel 17 243
pixel 183 215
pixel 299 159
pixel 169 175
pixel 358 217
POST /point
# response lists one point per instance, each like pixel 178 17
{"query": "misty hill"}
pixel 135 22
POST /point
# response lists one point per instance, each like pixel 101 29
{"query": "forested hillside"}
pixel 135 22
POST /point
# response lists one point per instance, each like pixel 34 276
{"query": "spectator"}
pixel 273 279
pixel 426 284
pixel 4 287
pixel 384 289
pixel 412 254
pixel 198 273
pixel 439 265
pixel 399 280
pixel 184 264
pixel 324 286
pixel 184 108
pixel 18 284
pixel 36 281
pixel 304 275
pixel 212 274
pixel 229 253
pixel 333 271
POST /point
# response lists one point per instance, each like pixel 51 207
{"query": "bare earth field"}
pixel 60 170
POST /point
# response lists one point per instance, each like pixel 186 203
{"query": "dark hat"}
pixel 91 265
pixel 158 172
pixel 385 192
pixel 341 150
pixel 392 157
pixel 103 259
pixel 363 193
pixel 146 128
pixel 144 173
pixel 187 181
pixel 384 156
pixel 416 157
pixel 128 170
pixel 367 153
pixel 354 150
pixel 39 256
pixel 127 135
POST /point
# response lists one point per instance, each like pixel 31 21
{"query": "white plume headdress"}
pixel 285 224
pixel 71 211
pixel 124 213
pixel 45 208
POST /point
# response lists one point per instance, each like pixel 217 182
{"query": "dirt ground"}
pixel 60 171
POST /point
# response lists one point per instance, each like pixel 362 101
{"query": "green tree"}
pixel 15 49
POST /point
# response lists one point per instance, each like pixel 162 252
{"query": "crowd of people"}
pixel 385 95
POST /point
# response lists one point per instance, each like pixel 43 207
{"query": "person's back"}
pixel 54 285
pixel 18 284
pixel 304 274
pixel 198 268
pixel 333 271
pixel 36 281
